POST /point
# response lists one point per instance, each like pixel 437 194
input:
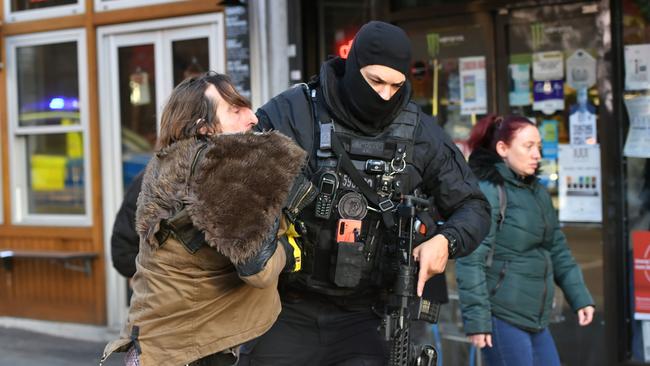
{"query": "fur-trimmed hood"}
pixel 236 193
pixel 484 163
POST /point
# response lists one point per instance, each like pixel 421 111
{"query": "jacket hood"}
pixel 488 166
pixel 330 76
pixel 235 195
pixel 482 162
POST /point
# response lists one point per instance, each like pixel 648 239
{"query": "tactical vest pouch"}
pixel 302 193
pixel 350 262
pixel 180 225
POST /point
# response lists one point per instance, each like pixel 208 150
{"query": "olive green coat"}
pixel 530 256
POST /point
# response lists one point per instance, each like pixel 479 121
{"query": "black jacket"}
pixel 446 176
pixel 125 240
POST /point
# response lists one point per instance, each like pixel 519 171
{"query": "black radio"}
pixel 327 186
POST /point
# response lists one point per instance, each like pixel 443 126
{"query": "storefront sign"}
pixel 238 49
pixel 548 66
pixel 473 86
pixel 637 67
pixel 519 94
pixel 581 70
pixel 637 144
pixel 579 187
pixel 641 252
pixel 548 96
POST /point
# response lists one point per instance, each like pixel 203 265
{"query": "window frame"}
pixel 18 165
pixel 35 14
pixel 101 5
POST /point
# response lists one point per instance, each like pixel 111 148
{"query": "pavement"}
pixel 24 348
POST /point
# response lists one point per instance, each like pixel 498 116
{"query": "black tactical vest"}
pixel 348 246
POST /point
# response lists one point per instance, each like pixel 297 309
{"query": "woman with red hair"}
pixel 506 286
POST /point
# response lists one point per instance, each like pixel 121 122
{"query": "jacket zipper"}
pixel 305 194
pixel 545 292
pixel 502 276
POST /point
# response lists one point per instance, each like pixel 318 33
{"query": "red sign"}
pixel 641 248
pixel 344 49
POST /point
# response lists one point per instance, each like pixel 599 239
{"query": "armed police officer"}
pixel 369 145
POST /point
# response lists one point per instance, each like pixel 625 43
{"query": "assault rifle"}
pixel 403 305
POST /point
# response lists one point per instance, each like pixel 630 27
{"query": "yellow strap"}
pixel 297 253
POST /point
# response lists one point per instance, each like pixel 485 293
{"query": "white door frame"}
pixel 161 33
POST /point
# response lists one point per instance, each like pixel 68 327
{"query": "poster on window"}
pixel 548 66
pixel 637 67
pixel 548 96
pixel 579 187
pixel 582 127
pixel 581 70
pixel 637 143
pixel 641 253
pixel 473 88
pixel 519 84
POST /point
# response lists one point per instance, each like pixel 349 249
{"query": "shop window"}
pixel 636 152
pixel 19 10
pixel 48 126
pixel 104 5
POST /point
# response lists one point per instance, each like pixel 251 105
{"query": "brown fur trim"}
pixel 238 190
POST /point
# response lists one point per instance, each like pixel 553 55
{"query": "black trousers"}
pixel 315 332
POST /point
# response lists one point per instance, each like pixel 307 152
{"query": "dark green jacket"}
pixel 530 256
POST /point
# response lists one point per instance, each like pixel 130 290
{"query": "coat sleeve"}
pixel 471 278
pixel 449 180
pixel 125 242
pixel 567 273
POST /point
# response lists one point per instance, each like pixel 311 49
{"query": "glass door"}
pixel 139 66
pixel 549 74
pixel 453 80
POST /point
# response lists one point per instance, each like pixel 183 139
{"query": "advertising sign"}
pixel 579 187
pixel 548 66
pixel 637 67
pixel 641 252
pixel 548 96
pixel 519 94
pixel 637 144
pixel 581 70
pixel 473 88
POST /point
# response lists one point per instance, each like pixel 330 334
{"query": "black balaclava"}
pixel 376 43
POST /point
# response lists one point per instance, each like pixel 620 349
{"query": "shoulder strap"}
pixel 503 203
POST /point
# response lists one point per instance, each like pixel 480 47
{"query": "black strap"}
pixel 384 204
pixel 195 161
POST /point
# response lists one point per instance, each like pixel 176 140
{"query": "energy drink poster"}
pixel 637 143
pixel 641 253
pixel 519 88
pixel 473 88
pixel 637 67
pixel 579 190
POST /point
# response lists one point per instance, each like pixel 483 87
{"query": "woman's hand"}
pixel 481 340
pixel 586 315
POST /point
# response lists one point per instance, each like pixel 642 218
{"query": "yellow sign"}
pixel 48 172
